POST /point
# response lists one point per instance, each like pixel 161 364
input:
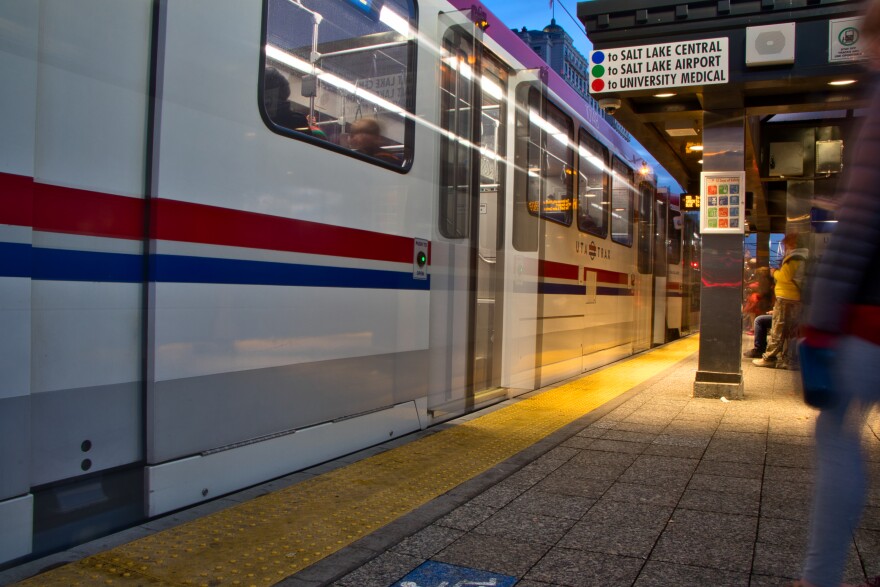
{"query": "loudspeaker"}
pixel 772 44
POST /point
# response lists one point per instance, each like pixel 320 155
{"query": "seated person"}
pixel 761 297
pixel 762 329
pixel 365 137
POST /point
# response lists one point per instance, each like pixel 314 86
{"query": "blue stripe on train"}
pixel 64 265
pixel 18 260
pixel 182 269
pixel 15 260
pixel 562 288
pixel 580 290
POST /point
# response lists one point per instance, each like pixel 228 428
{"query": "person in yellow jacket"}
pixel 789 277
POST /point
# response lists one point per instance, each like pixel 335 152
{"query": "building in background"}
pixel 557 49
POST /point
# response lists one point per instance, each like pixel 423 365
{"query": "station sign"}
pixel 664 65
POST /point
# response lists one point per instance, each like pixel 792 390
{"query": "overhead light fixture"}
pixel 842 82
pixel 665 95
pixel 700 161
pixel 681 128
pixel 479 16
pixel 691 147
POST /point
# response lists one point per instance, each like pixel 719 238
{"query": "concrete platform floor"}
pixel 653 488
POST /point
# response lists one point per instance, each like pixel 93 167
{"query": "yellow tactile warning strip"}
pixel 260 542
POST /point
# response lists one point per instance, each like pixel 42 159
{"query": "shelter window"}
pixel 340 74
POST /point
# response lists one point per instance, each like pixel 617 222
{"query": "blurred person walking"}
pixel 843 323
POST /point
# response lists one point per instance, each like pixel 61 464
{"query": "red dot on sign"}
pixel 597 85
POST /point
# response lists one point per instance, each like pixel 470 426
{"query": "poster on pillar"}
pixel 722 202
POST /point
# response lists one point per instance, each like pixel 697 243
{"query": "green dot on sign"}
pixel 598 70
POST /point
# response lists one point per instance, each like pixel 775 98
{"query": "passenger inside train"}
pixel 365 137
pixel 276 94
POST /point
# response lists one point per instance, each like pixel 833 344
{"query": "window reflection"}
pixel 347 65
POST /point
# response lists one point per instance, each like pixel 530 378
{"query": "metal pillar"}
pixel 719 371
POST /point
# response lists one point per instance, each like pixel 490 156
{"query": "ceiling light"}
pixel 666 95
pixel 691 147
pixel 842 82
pixel 681 128
pixel 700 161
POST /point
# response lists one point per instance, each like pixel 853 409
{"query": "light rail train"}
pixel 242 237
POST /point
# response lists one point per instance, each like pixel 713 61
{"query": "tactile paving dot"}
pixel 260 542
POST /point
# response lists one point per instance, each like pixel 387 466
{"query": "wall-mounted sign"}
pixel 722 202
pixel 665 65
pixel 844 39
pixel 771 44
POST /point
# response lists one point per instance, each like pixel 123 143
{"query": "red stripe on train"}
pixel 53 208
pixel 16 200
pixel 75 211
pixel 197 223
pixel 557 270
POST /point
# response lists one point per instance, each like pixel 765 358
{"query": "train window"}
pixel 622 196
pixel 492 134
pixel 525 227
pixel 464 96
pixel 661 236
pixel 550 161
pixel 673 250
pixel 456 120
pixel 645 228
pixel 592 212
pixel 340 73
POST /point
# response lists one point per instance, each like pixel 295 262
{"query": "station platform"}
pixel 618 477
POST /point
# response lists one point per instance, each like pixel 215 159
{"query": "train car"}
pixel 680 287
pixel 242 237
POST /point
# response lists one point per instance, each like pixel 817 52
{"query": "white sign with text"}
pixel 665 65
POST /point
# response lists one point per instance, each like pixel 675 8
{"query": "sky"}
pixel 536 14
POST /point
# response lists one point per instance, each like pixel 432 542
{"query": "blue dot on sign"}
pixel 598 56
pixel 434 574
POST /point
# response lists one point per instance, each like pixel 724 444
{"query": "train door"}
pixel 643 286
pixel 473 93
pixel 691 279
pixel 661 278
pixel 674 275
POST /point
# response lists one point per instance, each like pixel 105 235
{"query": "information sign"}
pixel 436 574
pixel 665 65
pixel 722 202
pixel 844 40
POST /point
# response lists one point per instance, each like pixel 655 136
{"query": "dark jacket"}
pixel 848 275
